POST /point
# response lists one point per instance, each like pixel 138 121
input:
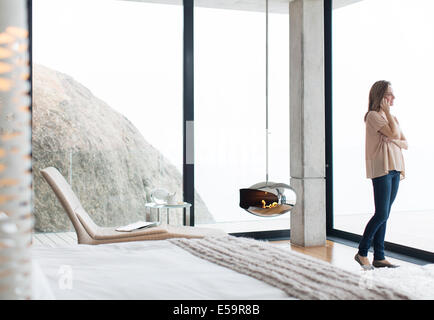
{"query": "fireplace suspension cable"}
pixel 266 92
pixel 267 199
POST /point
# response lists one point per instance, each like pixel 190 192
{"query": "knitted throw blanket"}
pixel 298 275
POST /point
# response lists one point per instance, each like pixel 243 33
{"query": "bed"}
pixel 212 268
pixel 142 270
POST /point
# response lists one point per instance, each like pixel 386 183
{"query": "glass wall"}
pixel 107 106
pixel 230 108
pixel 108 94
pixel 384 40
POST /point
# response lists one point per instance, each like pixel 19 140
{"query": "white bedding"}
pixel 143 270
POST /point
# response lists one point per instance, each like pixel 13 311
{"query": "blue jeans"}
pixel 385 190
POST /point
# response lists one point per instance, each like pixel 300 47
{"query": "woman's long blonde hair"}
pixel 376 94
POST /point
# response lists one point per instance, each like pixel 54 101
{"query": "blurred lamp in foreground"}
pixel 16 220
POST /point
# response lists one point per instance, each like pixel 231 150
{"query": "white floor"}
pixel 412 229
pixel 54 239
pixel 263 224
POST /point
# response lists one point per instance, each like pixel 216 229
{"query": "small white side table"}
pixel 185 205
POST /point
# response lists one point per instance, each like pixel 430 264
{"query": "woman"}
pixel 385 166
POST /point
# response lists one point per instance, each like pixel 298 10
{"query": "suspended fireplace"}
pixel 267 199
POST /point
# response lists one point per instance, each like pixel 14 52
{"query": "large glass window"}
pixel 107 106
pixel 230 99
pixel 384 40
pixel 108 94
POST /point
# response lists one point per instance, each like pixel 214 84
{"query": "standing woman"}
pixel 385 166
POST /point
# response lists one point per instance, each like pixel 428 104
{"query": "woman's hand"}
pixel 401 143
pixel 385 105
pixel 386 138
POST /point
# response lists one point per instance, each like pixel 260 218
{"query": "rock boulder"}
pixel 110 166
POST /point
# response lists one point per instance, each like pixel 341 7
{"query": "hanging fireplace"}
pixel 267 199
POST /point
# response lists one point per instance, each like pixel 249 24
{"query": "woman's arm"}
pixel 401 142
pixel 390 130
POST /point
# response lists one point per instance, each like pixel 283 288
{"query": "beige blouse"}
pixel 381 156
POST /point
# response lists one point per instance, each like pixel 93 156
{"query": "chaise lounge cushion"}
pixel 153 233
pixel 90 233
pixel 105 233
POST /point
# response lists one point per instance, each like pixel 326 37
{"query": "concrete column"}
pixel 308 218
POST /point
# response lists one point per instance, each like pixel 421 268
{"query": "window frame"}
pixel 188 117
pixel 330 230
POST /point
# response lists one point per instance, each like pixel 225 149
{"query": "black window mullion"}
pixel 188 108
pixel 328 112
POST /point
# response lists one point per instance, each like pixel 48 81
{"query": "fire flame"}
pixel 264 205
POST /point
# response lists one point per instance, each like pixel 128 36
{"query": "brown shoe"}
pixel 379 264
pixel 364 266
